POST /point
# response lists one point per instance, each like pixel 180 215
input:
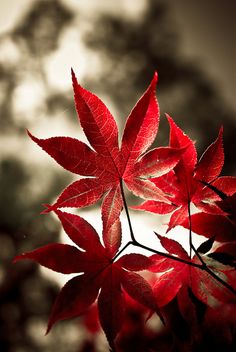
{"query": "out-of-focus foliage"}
pixel 136 49
pixel 46 21
pixel 26 295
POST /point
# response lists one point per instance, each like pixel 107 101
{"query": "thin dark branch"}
pixel 127 212
pixel 201 266
pixel 134 242
pixel 204 266
pixel 190 231
pixel 122 250
pixel 167 255
pixel 217 278
pixel 192 247
pixel 221 194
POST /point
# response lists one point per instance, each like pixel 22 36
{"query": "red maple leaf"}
pixel 191 181
pixel 220 226
pixel 175 275
pixel 107 164
pixel 101 276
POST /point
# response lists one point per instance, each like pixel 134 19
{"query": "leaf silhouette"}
pixel 100 277
pixel 108 164
pixel 223 228
pixel 176 275
pixel 187 182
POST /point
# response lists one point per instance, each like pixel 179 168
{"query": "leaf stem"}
pixel 167 255
pixel 127 212
pixel 192 247
pixel 203 264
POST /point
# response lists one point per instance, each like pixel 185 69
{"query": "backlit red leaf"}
pixel 178 139
pixel 74 299
pixel 157 162
pixel 80 194
pixel 79 231
pixel 209 225
pixel 59 257
pixel 178 217
pixel 155 207
pixel 145 189
pixel 97 122
pixel 174 275
pixel 112 238
pixel 167 286
pixel 139 289
pixel 226 184
pixel 111 306
pixel 111 207
pixel 172 246
pixel 191 183
pixel 135 262
pixel 102 277
pixel 141 127
pixel 212 161
pixel 71 154
pixel 108 164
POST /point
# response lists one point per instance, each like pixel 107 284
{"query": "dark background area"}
pixel 192 46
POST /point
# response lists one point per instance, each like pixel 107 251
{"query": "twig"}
pixel 203 266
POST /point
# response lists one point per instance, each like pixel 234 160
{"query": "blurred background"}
pixel 114 48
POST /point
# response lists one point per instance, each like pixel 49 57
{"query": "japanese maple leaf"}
pixel 190 180
pixel 220 226
pixel 101 276
pixel 174 275
pixel 107 164
pixel 207 317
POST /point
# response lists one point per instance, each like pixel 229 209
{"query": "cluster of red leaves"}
pixel 107 165
pixel 168 179
pixel 101 276
pixel 174 276
pixel 190 180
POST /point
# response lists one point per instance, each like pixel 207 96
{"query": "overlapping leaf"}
pixel 174 275
pixel 101 277
pixel 191 181
pixel 220 226
pixel 106 163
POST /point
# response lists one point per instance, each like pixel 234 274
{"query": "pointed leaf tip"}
pixel 169 119
pixel 74 79
pixel 33 138
pixel 155 77
pixel 212 160
pixel 157 234
pixel 72 72
pixel 49 327
pixel 30 134
pixel 172 246
pixel 220 134
pixel 168 116
pixel 206 245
